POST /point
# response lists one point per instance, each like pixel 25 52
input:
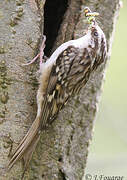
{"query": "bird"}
pixel 62 75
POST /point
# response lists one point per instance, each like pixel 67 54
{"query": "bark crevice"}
pixel 62 175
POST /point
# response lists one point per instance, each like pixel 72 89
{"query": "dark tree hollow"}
pixel 54 11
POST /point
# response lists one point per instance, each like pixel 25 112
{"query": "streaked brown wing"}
pixel 70 69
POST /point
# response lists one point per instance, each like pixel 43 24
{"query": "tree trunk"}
pixel 62 151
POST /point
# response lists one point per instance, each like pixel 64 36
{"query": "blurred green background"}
pixel 108 149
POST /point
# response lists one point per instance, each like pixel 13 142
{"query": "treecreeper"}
pixel 62 75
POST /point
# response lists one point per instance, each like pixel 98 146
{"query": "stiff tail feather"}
pixel 27 146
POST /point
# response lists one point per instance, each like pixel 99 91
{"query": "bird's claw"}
pixel 41 54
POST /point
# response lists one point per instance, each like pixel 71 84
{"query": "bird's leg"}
pixel 41 54
pixel 42 50
pixel 32 61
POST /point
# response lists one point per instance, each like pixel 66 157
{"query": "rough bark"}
pixel 62 152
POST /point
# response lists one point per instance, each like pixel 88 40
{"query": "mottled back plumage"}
pixel 62 75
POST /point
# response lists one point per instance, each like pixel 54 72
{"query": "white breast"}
pixel 78 43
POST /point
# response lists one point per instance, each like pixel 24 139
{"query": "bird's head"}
pixel 98 44
pixel 97 41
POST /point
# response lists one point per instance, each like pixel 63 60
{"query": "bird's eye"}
pixel 95 33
